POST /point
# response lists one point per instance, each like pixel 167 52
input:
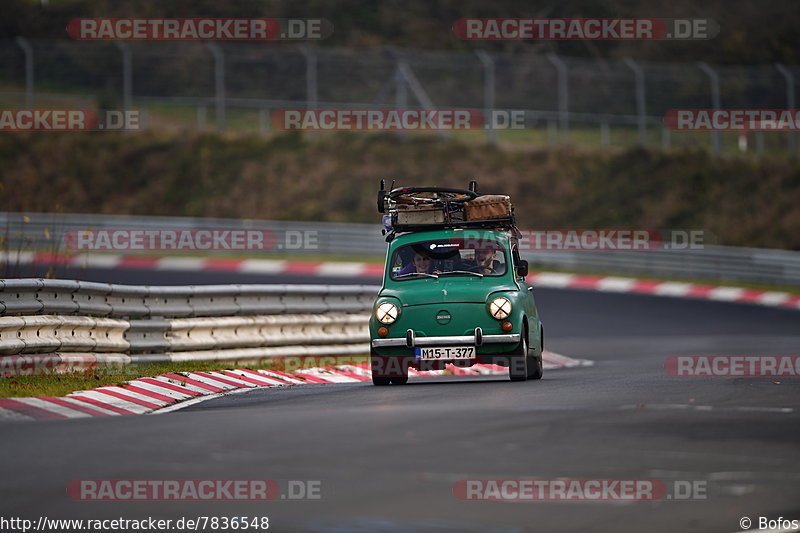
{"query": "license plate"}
pixel 445 352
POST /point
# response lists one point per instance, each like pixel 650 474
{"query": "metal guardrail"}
pixel 216 322
pixel 720 263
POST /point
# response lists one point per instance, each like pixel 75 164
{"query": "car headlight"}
pixel 386 313
pixel 500 308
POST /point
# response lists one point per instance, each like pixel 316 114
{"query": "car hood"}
pixel 449 289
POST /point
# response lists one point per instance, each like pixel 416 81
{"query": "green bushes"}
pixel 740 201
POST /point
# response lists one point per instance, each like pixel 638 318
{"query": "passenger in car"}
pixel 421 262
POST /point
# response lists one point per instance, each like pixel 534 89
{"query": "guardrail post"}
pixel 791 138
pixel 488 94
pixel 716 136
pixel 638 74
pixel 563 94
pixel 311 76
pixel 219 82
pixel 605 134
pixel 27 49
pixel 127 74
pixel 202 113
pixel 263 121
pixel 400 93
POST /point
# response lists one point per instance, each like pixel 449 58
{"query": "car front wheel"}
pixel 518 365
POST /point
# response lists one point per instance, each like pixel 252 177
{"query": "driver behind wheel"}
pixel 485 262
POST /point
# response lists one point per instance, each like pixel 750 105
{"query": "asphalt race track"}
pixel 387 459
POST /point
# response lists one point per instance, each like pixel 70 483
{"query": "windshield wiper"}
pixel 434 276
pixel 462 272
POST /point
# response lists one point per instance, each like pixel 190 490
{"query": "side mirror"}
pixel 522 268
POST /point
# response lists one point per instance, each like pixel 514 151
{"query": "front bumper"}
pixel 411 341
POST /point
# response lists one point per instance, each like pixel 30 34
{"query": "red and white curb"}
pixel 375 271
pixel 170 391
pixel 665 288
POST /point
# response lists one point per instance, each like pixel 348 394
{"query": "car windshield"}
pixel 456 257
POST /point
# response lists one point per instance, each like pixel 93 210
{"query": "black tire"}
pixel 383 374
pixel 377 364
pixel 537 368
pixel 380 381
pixel 519 360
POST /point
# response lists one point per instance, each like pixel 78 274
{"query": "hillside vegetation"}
pixel 740 201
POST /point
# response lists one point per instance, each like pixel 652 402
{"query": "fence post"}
pixel 201 117
pixel 563 94
pixel 716 136
pixel 219 82
pixel 27 49
pixel 638 75
pixel 127 74
pixel 263 121
pixel 791 139
pixel 488 94
pixel 312 94
pixel 605 134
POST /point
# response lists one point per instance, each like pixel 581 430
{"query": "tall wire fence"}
pixel 236 86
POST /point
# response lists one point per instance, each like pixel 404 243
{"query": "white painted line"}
pixel 195 401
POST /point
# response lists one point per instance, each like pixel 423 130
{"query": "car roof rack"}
pixel 412 209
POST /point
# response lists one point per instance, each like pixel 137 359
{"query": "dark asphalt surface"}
pixel 387 458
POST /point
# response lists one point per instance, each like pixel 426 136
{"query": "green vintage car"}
pixel 454 288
